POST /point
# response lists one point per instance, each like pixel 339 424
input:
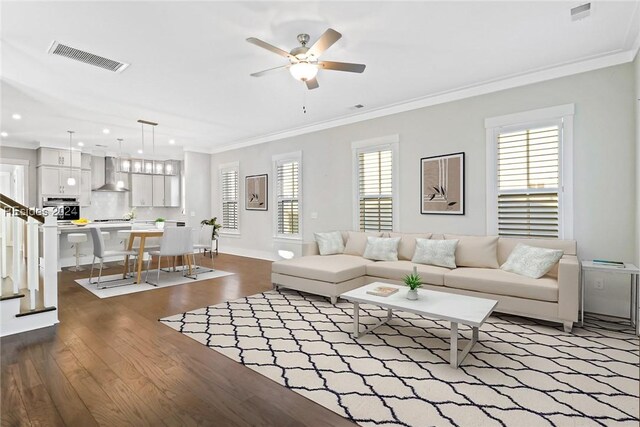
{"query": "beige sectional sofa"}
pixel 553 297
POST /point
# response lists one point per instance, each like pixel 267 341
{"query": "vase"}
pixel 412 294
pixel 160 225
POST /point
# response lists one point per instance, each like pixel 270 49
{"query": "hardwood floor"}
pixel 110 362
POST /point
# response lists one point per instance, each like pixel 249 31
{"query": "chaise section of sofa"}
pixel 553 297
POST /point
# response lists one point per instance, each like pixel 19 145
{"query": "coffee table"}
pixel 458 309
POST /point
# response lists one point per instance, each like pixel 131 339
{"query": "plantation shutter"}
pixel 229 178
pixel 287 187
pixel 529 182
pixel 375 184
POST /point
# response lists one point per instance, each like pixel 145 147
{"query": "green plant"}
pixel 413 280
pixel 212 221
pixel 159 219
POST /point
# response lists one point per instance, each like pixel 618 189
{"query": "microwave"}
pixel 65 208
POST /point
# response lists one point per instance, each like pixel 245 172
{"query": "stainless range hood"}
pixel 110 176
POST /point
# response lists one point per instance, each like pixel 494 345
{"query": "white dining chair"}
pixel 203 239
pixel 101 253
pixel 175 241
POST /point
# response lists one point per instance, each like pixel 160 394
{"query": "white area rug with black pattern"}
pixel 521 373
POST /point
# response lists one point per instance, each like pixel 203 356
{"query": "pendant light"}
pixel 71 181
pixel 120 183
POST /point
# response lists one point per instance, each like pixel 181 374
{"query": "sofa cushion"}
pixel 506 245
pixel 499 282
pixel 407 245
pixel 476 251
pixel 330 243
pixel 396 270
pixel 357 242
pixel 530 261
pixel 441 253
pixel 382 248
pixel 327 268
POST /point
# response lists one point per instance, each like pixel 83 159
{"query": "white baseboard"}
pixel 250 253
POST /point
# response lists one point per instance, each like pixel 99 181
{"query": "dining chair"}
pixel 100 252
pixel 203 239
pixel 175 241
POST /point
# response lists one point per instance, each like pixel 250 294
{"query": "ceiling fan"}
pixel 303 61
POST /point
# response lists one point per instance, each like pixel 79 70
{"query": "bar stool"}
pixel 105 236
pixel 75 239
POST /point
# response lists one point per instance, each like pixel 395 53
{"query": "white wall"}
pixel 197 178
pixel 604 169
pixel 636 66
pixel 30 156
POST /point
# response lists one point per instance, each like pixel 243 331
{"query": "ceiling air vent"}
pixel 580 12
pixel 60 49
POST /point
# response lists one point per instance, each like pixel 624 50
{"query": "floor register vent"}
pixel 60 49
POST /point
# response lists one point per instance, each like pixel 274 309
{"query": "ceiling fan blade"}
pixel 263 72
pixel 312 84
pixel 342 66
pixel 269 47
pixel 324 42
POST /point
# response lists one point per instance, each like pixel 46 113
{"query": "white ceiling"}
pixel 190 63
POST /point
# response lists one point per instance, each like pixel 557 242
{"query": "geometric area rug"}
pixel 522 372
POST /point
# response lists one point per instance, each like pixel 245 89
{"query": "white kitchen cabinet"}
pixel 158 190
pixel 55 157
pixel 172 191
pixel 85 188
pixel 141 190
pixel 85 161
pixel 53 182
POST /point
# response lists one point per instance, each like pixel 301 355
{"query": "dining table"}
pixel 142 235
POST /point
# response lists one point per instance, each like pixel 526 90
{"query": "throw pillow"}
pixel 382 248
pixel 530 261
pixel 476 251
pixel 407 246
pixel 329 243
pixel 436 252
pixel 357 242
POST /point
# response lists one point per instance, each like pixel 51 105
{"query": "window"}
pixel 528 187
pixel 376 206
pixel 288 195
pixel 229 191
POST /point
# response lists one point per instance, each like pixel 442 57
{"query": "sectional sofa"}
pixel 553 297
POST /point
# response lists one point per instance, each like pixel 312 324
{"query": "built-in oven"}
pixel 65 208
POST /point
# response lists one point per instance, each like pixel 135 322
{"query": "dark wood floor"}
pixel 110 362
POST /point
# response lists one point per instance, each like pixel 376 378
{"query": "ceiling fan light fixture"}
pixel 304 71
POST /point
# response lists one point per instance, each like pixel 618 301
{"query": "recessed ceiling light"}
pixel 172 141
pixel 16 116
pixel 139 151
pixel 4 134
pixel 105 131
pixel 80 144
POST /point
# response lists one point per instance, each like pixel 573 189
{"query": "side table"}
pixel 634 274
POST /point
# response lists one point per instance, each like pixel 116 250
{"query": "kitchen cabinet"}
pixel 141 190
pixel 158 190
pixel 172 191
pixel 85 188
pixel 53 182
pixel 85 161
pixel 55 157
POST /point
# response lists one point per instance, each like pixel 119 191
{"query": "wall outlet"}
pixel 314 215
pixel 193 213
pixel 599 283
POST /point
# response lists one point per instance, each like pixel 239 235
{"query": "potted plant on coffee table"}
pixel 159 223
pixel 413 281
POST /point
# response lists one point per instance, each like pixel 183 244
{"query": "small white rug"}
pixel 116 285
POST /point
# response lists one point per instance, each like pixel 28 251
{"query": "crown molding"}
pixel 481 88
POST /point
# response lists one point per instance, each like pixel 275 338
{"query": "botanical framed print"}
pixel 442 184
pixel 255 191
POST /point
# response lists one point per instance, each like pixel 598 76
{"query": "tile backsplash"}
pixel 112 205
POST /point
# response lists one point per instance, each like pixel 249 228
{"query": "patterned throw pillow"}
pixel 329 243
pixel 382 248
pixel 530 261
pixel 436 252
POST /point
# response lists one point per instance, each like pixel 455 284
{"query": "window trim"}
pixel 562 114
pixel 276 159
pixel 369 145
pixel 224 167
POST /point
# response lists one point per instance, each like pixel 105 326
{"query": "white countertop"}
pixel 66 228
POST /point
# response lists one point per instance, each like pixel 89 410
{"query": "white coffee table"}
pixel 470 311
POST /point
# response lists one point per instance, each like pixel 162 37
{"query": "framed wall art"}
pixel 442 184
pixel 255 190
